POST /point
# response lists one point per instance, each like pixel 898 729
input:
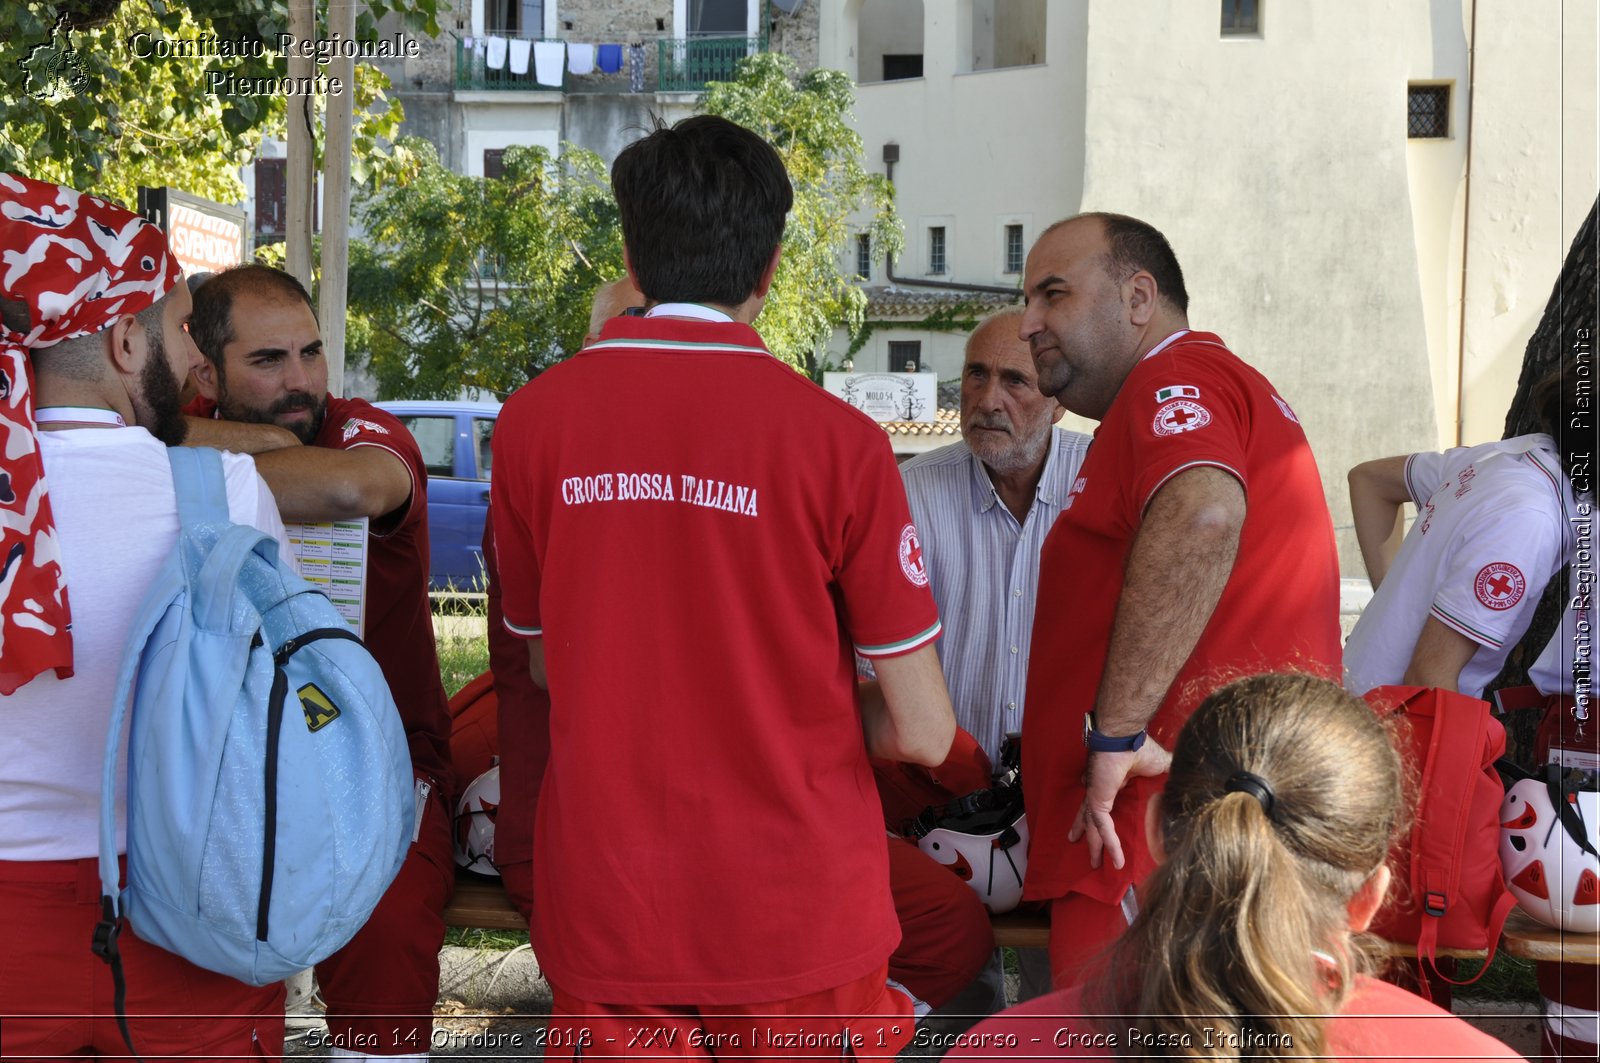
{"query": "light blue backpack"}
pixel 270 798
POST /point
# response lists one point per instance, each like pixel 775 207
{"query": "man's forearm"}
pixel 320 483
pixel 1177 568
pixel 536 670
pixel 908 718
pixel 237 436
pixel 1377 493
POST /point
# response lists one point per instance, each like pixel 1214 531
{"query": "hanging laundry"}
pixel 609 58
pixel 636 67
pixel 496 59
pixel 580 59
pixel 548 59
pixel 519 56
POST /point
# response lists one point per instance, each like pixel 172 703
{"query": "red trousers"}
pixel 945 936
pixel 56 995
pixel 874 1020
pixel 381 987
pixel 1082 929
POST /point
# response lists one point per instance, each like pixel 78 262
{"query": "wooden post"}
pixel 300 169
pixel 331 299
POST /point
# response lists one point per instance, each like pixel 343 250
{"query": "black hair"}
pixel 702 205
pixel 1137 245
pixel 211 322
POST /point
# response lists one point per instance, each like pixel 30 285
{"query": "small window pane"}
pixel 494 164
pixel 718 17
pixel 436 438
pixel 863 255
pixel 900 67
pixel 1428 111
pixel 905 356
pixel 482 433
pixel 1240 17
pixel 1013 249
pixel 936 261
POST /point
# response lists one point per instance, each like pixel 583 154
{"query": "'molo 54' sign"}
pixel 887 396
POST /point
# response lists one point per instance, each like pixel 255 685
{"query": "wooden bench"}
pixel 1529 940
pixel 481 904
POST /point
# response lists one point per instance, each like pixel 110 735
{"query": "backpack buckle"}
pixel 106 932
pixel 1434 904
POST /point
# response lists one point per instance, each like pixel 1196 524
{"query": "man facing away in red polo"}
pixel 693 578
pixel 1195 547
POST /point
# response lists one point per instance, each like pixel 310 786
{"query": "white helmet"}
pixel 989 851
pixel 1548 848
pixel 475 815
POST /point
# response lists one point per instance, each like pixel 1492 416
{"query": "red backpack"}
pixel 1449 891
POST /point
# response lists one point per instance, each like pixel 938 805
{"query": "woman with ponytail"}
pixel 1283 797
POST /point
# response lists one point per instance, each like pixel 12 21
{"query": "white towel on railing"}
pixel 580 59
pixel 548 59
pixel 519 56
pixel 496 59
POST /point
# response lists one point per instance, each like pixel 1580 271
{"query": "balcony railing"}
pixel 472 70
pixel 685 65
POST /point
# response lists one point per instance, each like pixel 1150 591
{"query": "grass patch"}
pixel 484 940
pixel 1508 978
pixel 460 632
pixel 462 641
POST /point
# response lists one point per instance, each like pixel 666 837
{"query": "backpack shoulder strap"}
pixel 201 487
pixel 202 496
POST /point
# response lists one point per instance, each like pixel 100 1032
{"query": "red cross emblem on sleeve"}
pixel 1180 415
pixel 911 557
pixel 1499 585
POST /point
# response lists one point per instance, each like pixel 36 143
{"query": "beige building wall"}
pixel 1276 165
pixel 1320 241
pixel 978 150
pixel 887 27
pixel 1525 113
pixel 1532 179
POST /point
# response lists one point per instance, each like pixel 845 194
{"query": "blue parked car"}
pixel 454 437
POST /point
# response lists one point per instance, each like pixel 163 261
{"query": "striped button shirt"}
pixel 983 569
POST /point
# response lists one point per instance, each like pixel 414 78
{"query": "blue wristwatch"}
pixel 1101 743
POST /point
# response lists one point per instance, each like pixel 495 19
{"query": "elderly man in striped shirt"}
pixel 983 507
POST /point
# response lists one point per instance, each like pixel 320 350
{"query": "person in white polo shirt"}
pixel 1492 529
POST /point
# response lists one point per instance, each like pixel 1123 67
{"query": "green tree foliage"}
pixel 85 104
pixel 468 282
pixel 807 120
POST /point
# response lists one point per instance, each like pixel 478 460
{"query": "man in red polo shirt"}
pixel 329 458
pixel 693 580
pixel 1195 547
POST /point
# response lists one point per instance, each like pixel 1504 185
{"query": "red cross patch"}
pixel 911 562
pixel 1180 415
pixel 1499 585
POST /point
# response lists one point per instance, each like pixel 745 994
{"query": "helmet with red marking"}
pixel 1549 837
pixel 474 826
pixel 982 837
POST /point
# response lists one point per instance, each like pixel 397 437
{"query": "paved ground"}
pixel 493 1004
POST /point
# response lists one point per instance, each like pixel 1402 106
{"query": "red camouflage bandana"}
pixel 80 264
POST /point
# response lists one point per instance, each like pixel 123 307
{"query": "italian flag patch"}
pixel 1177 391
